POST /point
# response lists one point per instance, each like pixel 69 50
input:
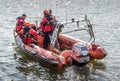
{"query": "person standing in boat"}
pixel 28 34
pixel 20 22
pixel 47 27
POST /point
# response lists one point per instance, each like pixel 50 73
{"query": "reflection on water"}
pixel 35 69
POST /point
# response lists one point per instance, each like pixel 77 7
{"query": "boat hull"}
pixel 59 58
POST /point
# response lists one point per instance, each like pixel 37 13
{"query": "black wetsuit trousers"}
pixel 46 39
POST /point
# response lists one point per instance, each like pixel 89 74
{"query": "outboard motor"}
pixel 80 54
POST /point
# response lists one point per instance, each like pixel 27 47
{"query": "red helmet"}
pixel 46 12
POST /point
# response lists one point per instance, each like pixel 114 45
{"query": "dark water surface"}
pixel 105 17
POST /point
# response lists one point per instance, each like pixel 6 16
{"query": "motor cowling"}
pixel 80 53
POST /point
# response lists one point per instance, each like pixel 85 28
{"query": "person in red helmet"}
pixel 28 34
pixel 20 22
pixel 21 18
pixel 47 27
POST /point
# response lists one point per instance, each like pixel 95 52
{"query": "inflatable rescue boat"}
pixel 63 49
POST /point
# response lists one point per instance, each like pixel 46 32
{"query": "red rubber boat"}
pixel 63 49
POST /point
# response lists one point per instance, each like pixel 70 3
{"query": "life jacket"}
pixel 19 24
pixel 28 35
pixel 20 20
pixel 18 27
pixel 46 24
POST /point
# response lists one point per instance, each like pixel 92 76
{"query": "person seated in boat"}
pixel 28 34
pixel 20 22
pixel 47 27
